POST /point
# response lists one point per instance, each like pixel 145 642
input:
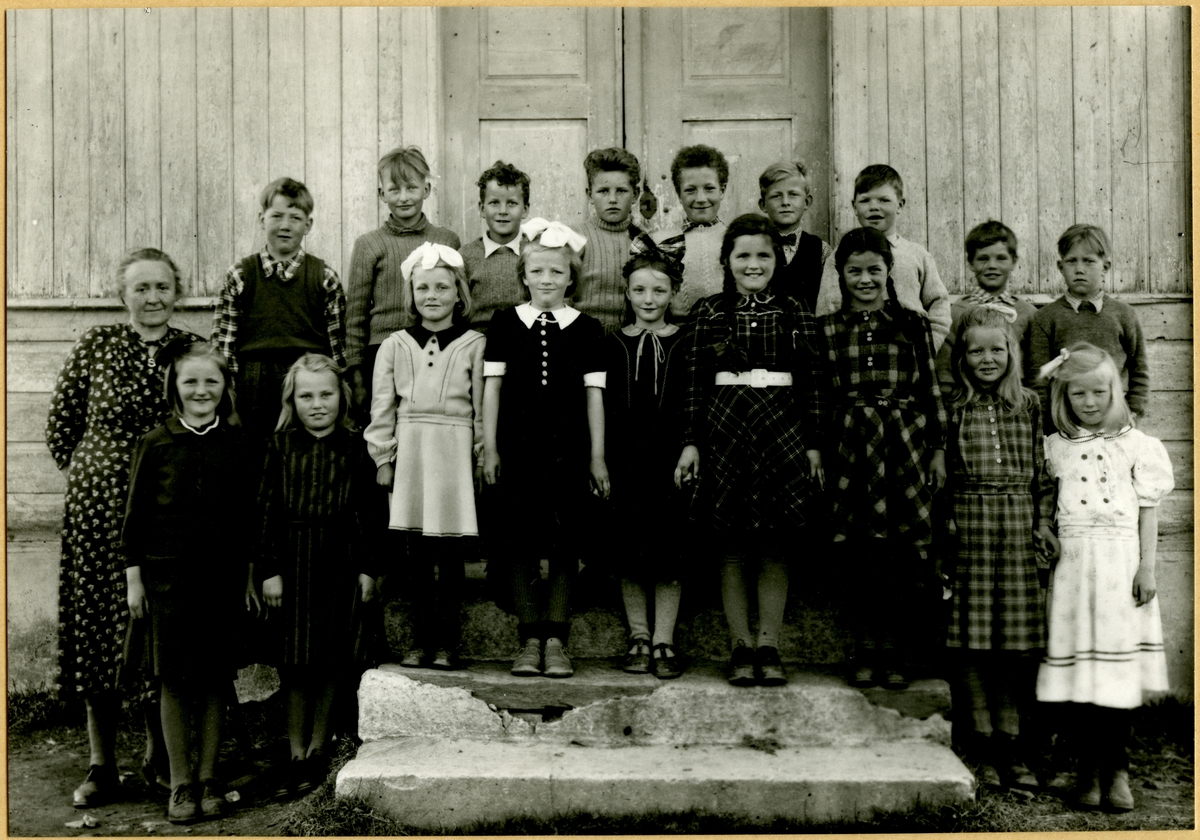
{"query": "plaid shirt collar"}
pixel 1075 303
pixel 982 296
pixel 688 224
pixel 286 269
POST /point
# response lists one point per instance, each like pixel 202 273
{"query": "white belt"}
pixel 757 378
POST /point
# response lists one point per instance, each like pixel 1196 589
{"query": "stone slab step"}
pixel 438 783
pixel 601 705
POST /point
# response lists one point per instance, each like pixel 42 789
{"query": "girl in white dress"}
pixel 1105 648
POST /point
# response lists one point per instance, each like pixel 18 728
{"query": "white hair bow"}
pixel 427 256
pixel 1007 312
pixel 553 234
pixel 1048 370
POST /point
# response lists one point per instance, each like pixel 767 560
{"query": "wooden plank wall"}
pixel 135 127
pixel 1048 117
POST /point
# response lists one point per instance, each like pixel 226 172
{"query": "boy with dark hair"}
pixel 613 175
pixel 491 260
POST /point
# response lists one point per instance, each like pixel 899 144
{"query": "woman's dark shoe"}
pixel 895 681
pixel 1117 795
pixel 637 661
pixel 666 664
pixel 741 666
pixel 212 799
pixel 317 767
pixel 100 786
pixel 1086 794
pixel 863 677
pixel 413 658
pixel 181 807
pixel 769 667
pixel 444 660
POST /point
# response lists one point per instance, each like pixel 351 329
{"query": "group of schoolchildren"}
pixel 740 392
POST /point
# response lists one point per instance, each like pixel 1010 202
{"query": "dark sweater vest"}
pixel 802 276
pixel 282 316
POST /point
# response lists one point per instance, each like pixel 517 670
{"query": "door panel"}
pixel 537 88
pixel 753 82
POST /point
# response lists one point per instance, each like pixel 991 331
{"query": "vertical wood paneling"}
pixel 106 146
pixel 214 147
pixel 849 39
pixel 1093 155
pixel 420 89
pixel 944 141
pixel 360 121
pixel 143 130
pixel 391 82
pixel 251 162
pixel 10 182
pixel 179 140
pixel 285 93
pixel 1018 138
pixel 981 114
pixel 322 115
pixel 1128 142
pixel 34 139
pixel 906 115
pixel 1055 146
pixel 1168 34
pixel 877 92
pixel 70 34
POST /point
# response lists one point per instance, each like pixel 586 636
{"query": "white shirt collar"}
pixel 564 317
pixel 1075 303
pixel 490 247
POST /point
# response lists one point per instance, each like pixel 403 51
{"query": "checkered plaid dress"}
pixel 995 463
pixel 752 441
pixel 888 416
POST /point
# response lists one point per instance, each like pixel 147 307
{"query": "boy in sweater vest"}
pixel 1085 313
pixel 491 260
pixel 376 295
pixel 613 175
pixel 784 196
pixel 878 200
pixel 276 306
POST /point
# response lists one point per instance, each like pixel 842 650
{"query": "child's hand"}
pixel 688 466
pixel 937 470
pixel 273 591
pixel 478 478
pixel 136 594
pixel 1144 586
pixel 491 465
pixel 253 604
pixel 600 483
pixel 1046 544
pixel 367 584
pixel 385 475
pixel 815 470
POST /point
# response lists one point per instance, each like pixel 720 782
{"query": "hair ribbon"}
pixel 997 305
pixel 1048 370
pixel 553 234
pixel 427 256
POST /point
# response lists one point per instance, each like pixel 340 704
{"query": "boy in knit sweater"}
pixel 878 200
pixel 613 175
pixel 1085 313
pixel 491 260
pixel 376 294
pixel 700 175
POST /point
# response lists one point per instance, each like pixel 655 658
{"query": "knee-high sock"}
pixel 736 601
pixel 666 611
pixel 772 598
pixel 634 596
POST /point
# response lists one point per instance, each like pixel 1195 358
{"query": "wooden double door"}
pixel 540 87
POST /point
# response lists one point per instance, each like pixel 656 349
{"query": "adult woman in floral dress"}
pixel 108 394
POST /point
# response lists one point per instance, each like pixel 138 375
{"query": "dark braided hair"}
pixel 910 326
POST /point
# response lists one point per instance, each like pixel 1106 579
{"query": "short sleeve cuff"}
pixel 595 379
pixel 495 368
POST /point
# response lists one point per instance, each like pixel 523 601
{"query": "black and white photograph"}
pixel 599 420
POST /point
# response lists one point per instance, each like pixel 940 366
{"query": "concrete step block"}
pixel 600 705
pixel 439 783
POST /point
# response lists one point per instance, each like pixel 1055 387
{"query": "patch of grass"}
pixel 35 710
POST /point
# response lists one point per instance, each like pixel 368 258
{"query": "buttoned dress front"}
pixel 1103 648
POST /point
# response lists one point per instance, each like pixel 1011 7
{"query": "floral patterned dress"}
pixel 108 394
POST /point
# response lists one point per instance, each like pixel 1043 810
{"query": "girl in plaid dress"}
pixel 888 457
pixel 1105 646
pixel 751 418
pixel 998 536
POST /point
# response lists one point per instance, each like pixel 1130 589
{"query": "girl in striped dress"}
pixel 1105 646
pixel 999 535
pixel 888 440
pixel 314 563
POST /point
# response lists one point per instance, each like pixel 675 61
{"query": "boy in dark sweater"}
pixel 784 196
pixel 1085 313
pixel 276 306
pixel 491 260
pixel 376 294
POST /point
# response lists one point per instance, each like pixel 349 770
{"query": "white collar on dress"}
pixel 563 317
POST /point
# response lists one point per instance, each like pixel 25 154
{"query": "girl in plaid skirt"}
pixel 887 453
pixel 751 417
pixel 998 536
pixel 1105 645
